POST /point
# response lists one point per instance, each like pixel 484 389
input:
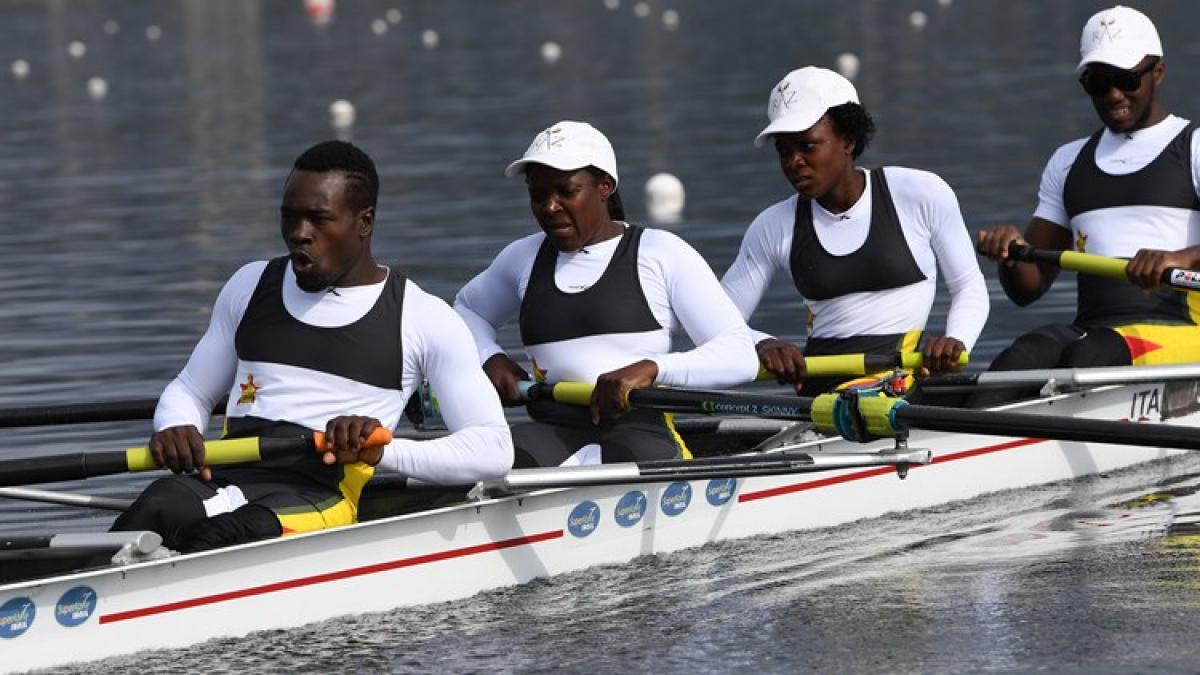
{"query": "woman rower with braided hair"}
pixel 862 246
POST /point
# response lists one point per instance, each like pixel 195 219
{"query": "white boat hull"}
pixel 458 551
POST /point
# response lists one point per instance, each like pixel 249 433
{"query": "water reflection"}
pixel 123 216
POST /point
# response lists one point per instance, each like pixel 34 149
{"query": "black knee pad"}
pixel 167 506
pixel 1100 347
pixel 248 523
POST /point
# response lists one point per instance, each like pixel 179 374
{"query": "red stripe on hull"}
pixel 871 473
pixel 330 576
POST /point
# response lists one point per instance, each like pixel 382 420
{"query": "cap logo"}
pixel 784 98
pixel 548 139
pixel 1108 28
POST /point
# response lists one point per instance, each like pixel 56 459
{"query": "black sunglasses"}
pixel 1096 84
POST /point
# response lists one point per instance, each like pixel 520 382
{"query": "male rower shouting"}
pixel 1132 185
pixel 300 342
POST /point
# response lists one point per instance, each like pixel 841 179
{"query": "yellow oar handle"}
pixel 859 364
pixel 1096 265
pixel 252 449
pixel 232 451
pixel 1100 266
pixel 573 393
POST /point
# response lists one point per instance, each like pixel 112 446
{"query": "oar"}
pixel 760 464
pixel 1100 266
pixel 143 409
pixel 65 498
pixel 82 413
pixel 853 365
pixel 142 542
pixel 77 466
pixel 1062 378
pixel 867 417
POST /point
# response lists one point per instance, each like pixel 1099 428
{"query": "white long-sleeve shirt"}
pixel 1121 231
pixel 436 345
pixel 936 235
pixel 680 289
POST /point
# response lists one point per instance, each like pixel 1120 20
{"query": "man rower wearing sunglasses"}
pixel 1132 185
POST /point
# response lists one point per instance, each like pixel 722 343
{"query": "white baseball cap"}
pixel 801 98
pixel 1119 36
pixel 567 146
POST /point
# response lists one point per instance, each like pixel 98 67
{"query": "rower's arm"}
pixel 763 250
pixel 1026 282
pixel 492 298
pixel 724 355
pixel 439 347
pixel 189 399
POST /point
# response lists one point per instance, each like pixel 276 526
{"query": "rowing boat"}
pixel 508 534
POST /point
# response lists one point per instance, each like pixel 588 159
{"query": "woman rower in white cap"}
pixel 597 301
pixel 863 247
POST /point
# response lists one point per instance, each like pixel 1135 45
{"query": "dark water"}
pixel 122 217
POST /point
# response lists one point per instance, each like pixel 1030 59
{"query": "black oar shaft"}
pixel 998 423
pixel 54 468
pixel 722 403
pixel 896 416
pixel 81 413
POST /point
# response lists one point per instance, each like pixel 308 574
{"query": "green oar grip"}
pixel 859 418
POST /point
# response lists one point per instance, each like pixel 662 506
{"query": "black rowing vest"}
pixel 368 350
pixel 1165 182
pixel 882 262
pixel 614 304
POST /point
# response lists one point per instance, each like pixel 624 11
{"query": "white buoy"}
pixel 341 114
pixel 430 38
pixel 379 26
pixel 665 197
pixel 612 4
pixel 918 20
pixel 641 10
pixel 153 33
pixel 20 69
pixel 670 19
pixel 945 3
pixel 393 16
pixel 320 12
pixel 97 88
pixel 77 49
pixel 551 52
pixel 111 27
pixel 847 65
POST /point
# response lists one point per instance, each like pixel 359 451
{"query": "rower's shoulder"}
pixel 247 275
pixel 424 307
pixel 783 210
pixel 906 181
pixel 656 240
pixel 524 246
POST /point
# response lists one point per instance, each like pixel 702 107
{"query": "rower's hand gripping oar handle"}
pixel 254 449
pixel 80 465
pixel 1098 265
pixel 855 365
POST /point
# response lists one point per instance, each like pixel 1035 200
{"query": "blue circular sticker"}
pixel 676 498
pixel 584 519
pixel 75 606
pixel 631 508
pixel 720 491
pixel 16 616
